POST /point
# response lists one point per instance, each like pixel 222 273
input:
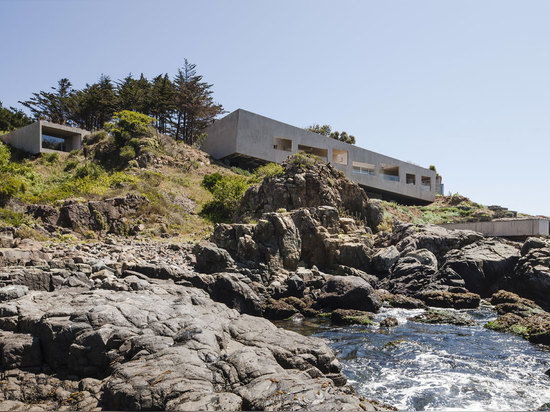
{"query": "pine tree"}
pixel 162 101
pixel 55 107
pixel 12 118
pixel 194 107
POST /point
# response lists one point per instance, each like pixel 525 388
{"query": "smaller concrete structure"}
pixel 45 137
pixel 520 227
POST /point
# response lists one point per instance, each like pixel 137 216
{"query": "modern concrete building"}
pixel 44 137
pixel 247 137
pixel 514 227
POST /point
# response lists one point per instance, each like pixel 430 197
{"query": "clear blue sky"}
pixel 463 85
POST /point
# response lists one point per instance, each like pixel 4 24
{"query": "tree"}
pixel 12 118
pixel 325 130
pixel 194 107
pixel 134 95
pixel 162 101
pixel 56 107
pixel 95 104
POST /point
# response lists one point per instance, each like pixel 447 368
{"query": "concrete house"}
pixel 245 137
pixel 45 137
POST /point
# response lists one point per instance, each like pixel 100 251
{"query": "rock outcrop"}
pixel 308 183
pixel 124 340
pixel 109 216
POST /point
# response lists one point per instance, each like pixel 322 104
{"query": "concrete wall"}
pixel 222 137
pixel 29 138
pixel 508 227
pixel 254 137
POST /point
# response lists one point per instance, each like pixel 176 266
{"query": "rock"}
pixel 424 256
pixel 508 302
pixel 383 260
pixel 532 243
pixel 19 350
pixel 12 292
pixel 389 322
pixel 446 299
pixel 535 328
pixel 348 292
pixel 230 289
pixel 277 310
pixel 484 266
pixel 6 239
pixel 106 215
pixel 211 259
pixel 409 277
pixel 351 317
pixel 436 239
pixel 400 301
pixel 166 347
pixel 305 186
pixel 532 276
pixel 448 317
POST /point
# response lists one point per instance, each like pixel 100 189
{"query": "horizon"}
pixel 460 85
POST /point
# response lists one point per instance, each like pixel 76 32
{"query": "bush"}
pixel 127 125
pixel 127 153
pixel 239 171
pixel 267 171
pixel 50 158
pixel 209 181
pixel 89 169
pixel 227 194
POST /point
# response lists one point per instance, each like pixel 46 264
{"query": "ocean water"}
pixel 444 367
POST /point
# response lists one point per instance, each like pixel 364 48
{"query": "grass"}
pixel 446 209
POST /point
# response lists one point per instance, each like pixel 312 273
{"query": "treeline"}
pixel 182 106
pixel 12 118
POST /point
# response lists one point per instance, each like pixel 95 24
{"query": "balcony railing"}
pixel 391 178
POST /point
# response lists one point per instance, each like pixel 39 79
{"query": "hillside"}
pixel 64 196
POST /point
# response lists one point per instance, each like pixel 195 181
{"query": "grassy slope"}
pixel 171 182
pixel 445 209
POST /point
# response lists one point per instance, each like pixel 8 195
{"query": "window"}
pixel 340 156
pixel 389 172
pixel 411 179
pixel 280 143
pixel 53 143
pixel 322 153
pixel 426 183
pixel 364 168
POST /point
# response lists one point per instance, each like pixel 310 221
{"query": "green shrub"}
pixel 209 181
pixel 267 171
pixel 90 169
pixel 239 171
pixel 127 125
pixel 127 153
pixel 50 158
pixel 227 194
pixel 10 218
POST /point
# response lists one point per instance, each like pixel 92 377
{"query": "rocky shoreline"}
pixel 128 323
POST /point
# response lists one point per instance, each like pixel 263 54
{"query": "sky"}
pixel 462 85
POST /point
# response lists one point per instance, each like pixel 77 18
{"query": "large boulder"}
pixel 436 239
pixel 485 266
pixel 348 292
pixel 211 258
pixel 532 274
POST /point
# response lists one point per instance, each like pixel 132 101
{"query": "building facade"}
pixel 248 137
pixel 45 137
